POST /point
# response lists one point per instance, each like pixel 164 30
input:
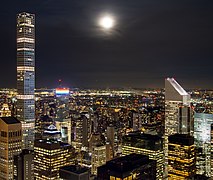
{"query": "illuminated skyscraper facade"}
pixel 26 76
pixel 181 157
pixel 97 148
pixel 178 117
pixel 10 145
pixel 65 127
pixel 50 156
pixel 202 135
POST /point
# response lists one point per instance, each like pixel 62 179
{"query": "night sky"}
pixel 152 39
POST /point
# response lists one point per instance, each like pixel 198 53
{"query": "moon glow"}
pixel 107 22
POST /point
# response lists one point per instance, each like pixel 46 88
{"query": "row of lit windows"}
pixel 29 40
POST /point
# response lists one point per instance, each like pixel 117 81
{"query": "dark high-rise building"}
pixel 145 144
pixel 133 166
pixel 10 145
pixel 23 165
pixel 26 76
pixel 181 157
pixel 74 172
pixel 81 132
pixel 110 146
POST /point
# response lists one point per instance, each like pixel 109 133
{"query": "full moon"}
pixel 107 22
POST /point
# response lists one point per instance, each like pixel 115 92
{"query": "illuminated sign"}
pixel 62 91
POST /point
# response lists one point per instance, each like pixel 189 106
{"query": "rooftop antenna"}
pixel 59 82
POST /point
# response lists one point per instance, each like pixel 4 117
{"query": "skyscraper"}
pixel 110 142
pixel 50 156
pixel 181 157
pixel 10 145
pixel 97 148
pixel 23 165
pixel 177 113
pixel 26 76
pixel 178 119
pixel 202 135
pixel 145 144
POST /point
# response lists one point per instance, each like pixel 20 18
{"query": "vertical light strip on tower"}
pixel 26 76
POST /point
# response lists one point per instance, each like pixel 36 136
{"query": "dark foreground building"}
pixel 74 172
pixel 23 165
pixel 133 166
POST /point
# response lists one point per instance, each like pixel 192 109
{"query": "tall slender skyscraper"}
pixel 26 76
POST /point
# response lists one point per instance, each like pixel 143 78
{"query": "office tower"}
pixel 97 148
pixel 177 115
pixel 177 101
pixel 136 121
pixel 181 157
pixel 145 144
pixel 110 134
pixel 50 156
pixel 26 76
pixel 5 111
pixel 65 127
pixel 23 165
pixel 94 122
pixel 10 145
pixel 202 135
pixel 74 172
pixel 41 124
pixel 133 166
pixel 81 132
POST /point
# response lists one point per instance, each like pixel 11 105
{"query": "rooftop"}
pixel 10 120
pixel 51 144
pixel 75 169
pixel 127 163
pixel 142 140
pixel 182 139
pixel 177 86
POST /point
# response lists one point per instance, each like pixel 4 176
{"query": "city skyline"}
pixel 150 41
